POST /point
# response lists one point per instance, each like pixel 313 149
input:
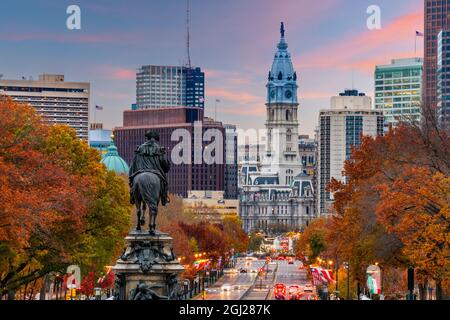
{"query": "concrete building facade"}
pixel 57 101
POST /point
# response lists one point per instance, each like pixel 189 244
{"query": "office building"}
pixel 99 138
pixel 57 101
pixel 231 165
pixel 437 18
pixel 443 79
pixel 398 90
pixel 192 175
pixel 340 128
pixel 169 86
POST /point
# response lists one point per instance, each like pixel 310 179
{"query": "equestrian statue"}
pixel 148 180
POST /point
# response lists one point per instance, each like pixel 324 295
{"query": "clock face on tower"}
pixel 272 94
pixel 288 94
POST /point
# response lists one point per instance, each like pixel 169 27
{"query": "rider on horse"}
pixel 151 157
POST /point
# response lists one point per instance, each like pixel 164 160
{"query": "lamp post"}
pixel 347 266
pixel 98 293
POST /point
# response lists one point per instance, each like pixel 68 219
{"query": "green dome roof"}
pixel 113 161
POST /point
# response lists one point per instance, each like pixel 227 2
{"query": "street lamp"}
pixel 347 266
pixel 98 293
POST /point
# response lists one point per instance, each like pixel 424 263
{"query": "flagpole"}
pixel 415 45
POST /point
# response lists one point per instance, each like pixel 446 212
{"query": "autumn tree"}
pixel 58 204
pixel 372 209
pixel 232 227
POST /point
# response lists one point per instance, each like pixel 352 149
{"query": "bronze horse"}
pixel 146 192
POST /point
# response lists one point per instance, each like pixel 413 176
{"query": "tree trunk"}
pixel 43 288
pixel 11 294
pixel 439 295
pixel 423 290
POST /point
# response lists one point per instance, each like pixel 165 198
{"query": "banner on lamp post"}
pixel 374 279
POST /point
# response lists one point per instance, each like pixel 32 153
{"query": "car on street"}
pixel 233 270
pixel 294 292
pixel 280 258
pixel 290 260
pixel 243 270
pixel 308 288
pixel 279 291
pixel 226 287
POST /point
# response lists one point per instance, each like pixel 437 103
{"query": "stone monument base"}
pixel 148 269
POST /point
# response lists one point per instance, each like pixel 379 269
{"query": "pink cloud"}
pixel 238 102
pixel 117 73
pixel 369 48
pixel 71 37
pixel 233 95
pixel 315 95
pixel 123 74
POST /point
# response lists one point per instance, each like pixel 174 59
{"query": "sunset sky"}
pixel 233 41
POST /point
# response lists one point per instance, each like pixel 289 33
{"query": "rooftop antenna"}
pixel 188 54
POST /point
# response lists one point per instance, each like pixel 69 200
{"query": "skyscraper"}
pixel 231 165
pixel 443 79
pixel 340 128
pixel 169 86
pixel 57 101
pixel 437 18
pixel 398 90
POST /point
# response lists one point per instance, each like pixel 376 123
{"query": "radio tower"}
pixel 187 62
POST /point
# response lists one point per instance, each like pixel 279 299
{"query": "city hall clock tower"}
pixel 282 154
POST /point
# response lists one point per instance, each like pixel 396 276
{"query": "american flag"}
pixel 322 276
pixel 98 107
pixel 419 34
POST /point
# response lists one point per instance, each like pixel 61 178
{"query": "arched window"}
pixel 289 135
pixel 288 115
pixel 280 76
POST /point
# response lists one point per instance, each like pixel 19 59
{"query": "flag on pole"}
pixel 98 107
pixel 217 100
pixel 419 34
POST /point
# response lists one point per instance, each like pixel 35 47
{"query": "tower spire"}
pixel 187 62
pixel 282 30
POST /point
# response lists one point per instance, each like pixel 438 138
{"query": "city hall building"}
pixel 276 193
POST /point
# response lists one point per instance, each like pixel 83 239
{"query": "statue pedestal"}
pixel 148 268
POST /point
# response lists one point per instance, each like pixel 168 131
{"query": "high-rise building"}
pixel 169 86
pixel 57 101
pixel 443 79
pixel 276 195
pixel 437 18
pixel 192 175
pixel 398 90
pixel 231 164
pixel 340 128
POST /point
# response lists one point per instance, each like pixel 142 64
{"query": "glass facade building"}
pixel 443 78
pixel 398 90
pixel 437 18
pixel 169 86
